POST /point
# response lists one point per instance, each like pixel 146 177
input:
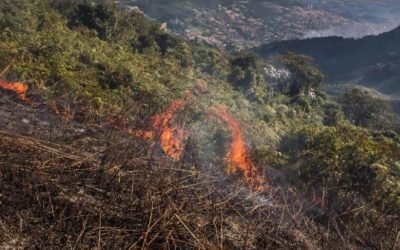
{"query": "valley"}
pixel 235 25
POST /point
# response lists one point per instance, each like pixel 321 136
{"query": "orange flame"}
pixel 172 137
pixel 238 156
pixel 18 88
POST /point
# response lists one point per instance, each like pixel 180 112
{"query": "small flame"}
pixel 172 137
pixel 147 135
pixel 238 157
pixel 18 88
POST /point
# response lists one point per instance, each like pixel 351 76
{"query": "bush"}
pixel 364 110
pixel 304 75
pixel 100 17
pixel 344 160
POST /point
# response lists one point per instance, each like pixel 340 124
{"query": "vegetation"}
pixel 304 75
pixel 372 61
pixel 367 111
pixel 330 164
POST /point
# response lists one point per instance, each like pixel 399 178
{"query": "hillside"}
pixel 231 24
pixel 117 134
pixel 373 61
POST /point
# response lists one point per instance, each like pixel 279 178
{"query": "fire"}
pixel 172 137
pixel 238 157
pixel 147 135
pixel 18 88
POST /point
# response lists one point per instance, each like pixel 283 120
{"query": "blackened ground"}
pixel 67 185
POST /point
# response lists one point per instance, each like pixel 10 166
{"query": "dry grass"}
pixel 62 187
pixel 53 197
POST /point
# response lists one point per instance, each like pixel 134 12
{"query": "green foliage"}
pixel 333 114
pixel 364 110
pixel 268 157
pixel 100 17
pixel 85 56
pixel 106 19
pixel 211 61
pixel 350 163
pixel 304 75
pixel 103 60
pixel 244 70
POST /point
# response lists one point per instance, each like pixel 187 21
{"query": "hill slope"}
pixel 373 61
pixel 116 134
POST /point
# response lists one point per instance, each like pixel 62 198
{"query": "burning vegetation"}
pixel 172 137
pixel 82 183
pixel 18 88
pixel 239 158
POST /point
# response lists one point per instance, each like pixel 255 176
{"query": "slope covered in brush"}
pixel 133 137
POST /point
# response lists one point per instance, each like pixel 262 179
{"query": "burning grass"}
pixel 105 190
pixel 66 184
pixel 52 197
pixel 239 157
pixel 172 137
pixel 18 88
pixel 102 189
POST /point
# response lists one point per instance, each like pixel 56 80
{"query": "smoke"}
pixel 365 17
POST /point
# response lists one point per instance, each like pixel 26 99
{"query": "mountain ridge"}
pixel 236 25
pixel 373 61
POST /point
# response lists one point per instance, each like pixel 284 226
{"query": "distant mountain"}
pixel 373 61
pixel 233 24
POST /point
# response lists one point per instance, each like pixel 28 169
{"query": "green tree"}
pixel 333 114
pixel 243 70
pixel 100 17
pixel 350 164
pixel 304 75
pixel 362 109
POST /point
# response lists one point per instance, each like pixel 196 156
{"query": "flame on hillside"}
pixel 17 88
pixel 238 157
pixel 172 137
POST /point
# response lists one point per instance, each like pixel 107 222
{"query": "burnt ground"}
pixel 64 184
